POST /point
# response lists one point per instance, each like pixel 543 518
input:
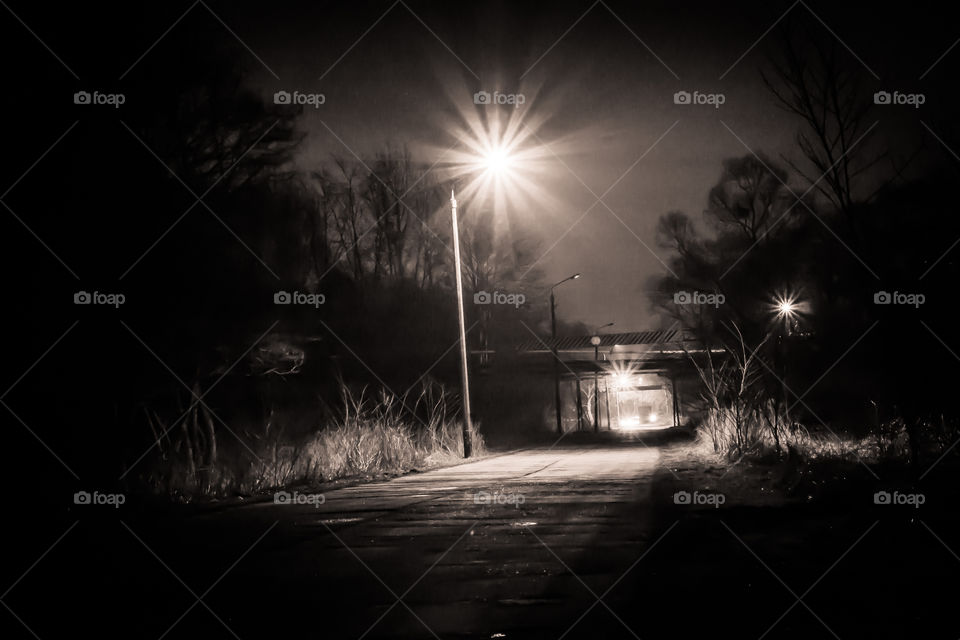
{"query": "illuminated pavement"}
pixel 498 546
pixel 580 541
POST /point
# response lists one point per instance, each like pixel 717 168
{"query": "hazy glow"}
pixel 657 427
pixel 633 424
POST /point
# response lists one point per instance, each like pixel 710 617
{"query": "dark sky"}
pixel 400 73
pixel 597 83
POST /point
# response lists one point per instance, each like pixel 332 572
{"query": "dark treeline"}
pixel 853 226
pixel 187 201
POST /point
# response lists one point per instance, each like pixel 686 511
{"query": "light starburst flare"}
pixel 500 164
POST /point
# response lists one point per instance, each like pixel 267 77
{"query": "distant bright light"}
pixel 786 307
pixel 632 423
pixel 652 417
pixel 623 375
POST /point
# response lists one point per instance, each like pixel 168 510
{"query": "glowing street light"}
pixel 556 356
pixel 501 161
pixel 496 162
pixel 786 308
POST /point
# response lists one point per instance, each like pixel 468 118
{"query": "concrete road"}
pixel 518 545
pixel 582 540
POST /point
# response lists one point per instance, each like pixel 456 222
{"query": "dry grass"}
pixel 893 440
pixel 373 437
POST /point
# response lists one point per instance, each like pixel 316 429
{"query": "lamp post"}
pixel 491 159
pixel 556 357
pixel 467 425
pixel 595 341
pixel 786 308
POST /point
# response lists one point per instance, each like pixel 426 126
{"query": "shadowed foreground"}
pixel 580 540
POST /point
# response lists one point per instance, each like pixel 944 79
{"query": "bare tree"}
pixel 750 196
pixel 813 78
pixel 342 208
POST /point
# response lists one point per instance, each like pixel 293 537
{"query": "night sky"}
pixel 600 78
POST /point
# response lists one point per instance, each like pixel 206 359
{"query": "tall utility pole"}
pixel 556 356
pixel 467 424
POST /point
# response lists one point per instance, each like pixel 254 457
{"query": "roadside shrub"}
pixel 372 436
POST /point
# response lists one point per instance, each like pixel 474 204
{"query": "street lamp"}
pixel 788 308
pixel 595 341
pixel 556 357
pixel 496 162
pixel 464 378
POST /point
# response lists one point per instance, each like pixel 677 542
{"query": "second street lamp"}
pixel 595 341
pixel 556 356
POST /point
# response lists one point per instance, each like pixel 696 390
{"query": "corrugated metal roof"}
pixel 636 338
